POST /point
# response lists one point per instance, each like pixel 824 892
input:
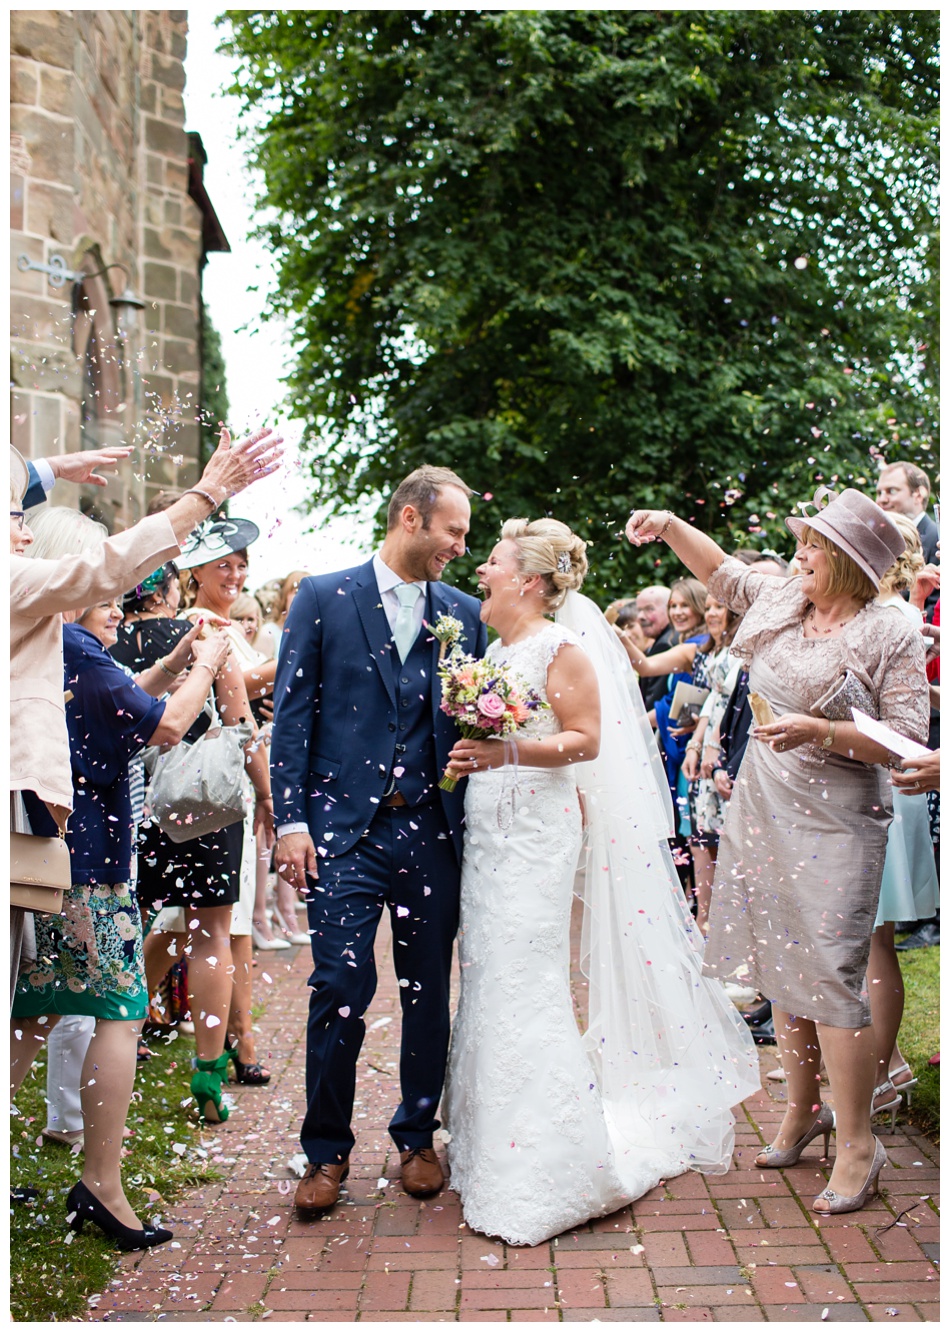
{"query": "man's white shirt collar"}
pixel 387 581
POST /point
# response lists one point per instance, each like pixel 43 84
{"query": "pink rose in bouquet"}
pixel 491 706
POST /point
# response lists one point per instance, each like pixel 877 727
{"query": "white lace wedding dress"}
pixel 548 1128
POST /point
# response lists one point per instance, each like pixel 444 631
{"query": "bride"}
pixel 549 1128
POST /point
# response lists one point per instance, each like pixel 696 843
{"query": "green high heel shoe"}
pixel 206 1088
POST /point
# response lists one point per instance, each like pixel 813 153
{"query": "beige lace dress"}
pixel 802 851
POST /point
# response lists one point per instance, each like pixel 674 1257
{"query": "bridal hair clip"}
pixel 564 562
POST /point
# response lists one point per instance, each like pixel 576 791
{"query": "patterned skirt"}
pixel 89 959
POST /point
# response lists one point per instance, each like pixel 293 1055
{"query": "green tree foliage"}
pixel 213 393
pixel 593 259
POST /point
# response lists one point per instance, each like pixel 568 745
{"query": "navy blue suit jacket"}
pixel 335 724
pixel 35 493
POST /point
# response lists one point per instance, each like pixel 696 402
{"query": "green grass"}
pixel 51 1279
pixel 920 1034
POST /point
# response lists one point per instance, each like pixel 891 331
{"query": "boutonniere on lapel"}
pixel 448 630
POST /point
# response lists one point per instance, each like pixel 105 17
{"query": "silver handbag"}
pixel 197 789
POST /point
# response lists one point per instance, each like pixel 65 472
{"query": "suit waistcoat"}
pixel 415 768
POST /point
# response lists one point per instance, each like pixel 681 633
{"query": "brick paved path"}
pixel 743 1246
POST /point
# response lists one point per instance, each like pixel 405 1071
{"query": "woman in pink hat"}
pixel 802 852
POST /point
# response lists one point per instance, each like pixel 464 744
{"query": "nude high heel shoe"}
pixel 776 1158
pixel 837 1203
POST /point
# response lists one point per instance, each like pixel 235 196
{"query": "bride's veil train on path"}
pixel 673 1055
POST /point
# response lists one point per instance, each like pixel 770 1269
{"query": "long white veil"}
pixel 672 1054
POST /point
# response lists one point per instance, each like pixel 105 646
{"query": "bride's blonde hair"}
pixel 549 548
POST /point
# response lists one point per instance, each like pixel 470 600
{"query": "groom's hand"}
pixel 296 858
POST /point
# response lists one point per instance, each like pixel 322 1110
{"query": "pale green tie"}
pixel 405 628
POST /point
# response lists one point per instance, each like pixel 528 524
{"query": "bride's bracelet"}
pixel 669 520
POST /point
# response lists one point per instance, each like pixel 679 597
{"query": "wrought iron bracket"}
pixel 56 269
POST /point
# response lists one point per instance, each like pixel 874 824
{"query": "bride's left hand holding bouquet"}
pixel 485 699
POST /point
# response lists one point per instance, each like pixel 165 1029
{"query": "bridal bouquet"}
pixel 485 700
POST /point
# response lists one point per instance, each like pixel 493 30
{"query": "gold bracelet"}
pixel 669 519
pixel 208 667
pixel 172 675
pixel 830 737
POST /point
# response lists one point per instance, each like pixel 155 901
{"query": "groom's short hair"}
pixel 421 489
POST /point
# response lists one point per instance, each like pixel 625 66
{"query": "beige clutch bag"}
pixel 40 872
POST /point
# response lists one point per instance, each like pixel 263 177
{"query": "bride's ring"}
pixel 474 762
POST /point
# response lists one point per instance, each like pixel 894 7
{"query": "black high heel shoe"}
pixel 251 1075
pixel 82 1206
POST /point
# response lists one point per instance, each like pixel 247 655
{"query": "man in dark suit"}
pixel 904 488
pixel 652 604
pixel 358 748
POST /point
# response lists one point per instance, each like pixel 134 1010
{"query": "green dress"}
pixel 88 960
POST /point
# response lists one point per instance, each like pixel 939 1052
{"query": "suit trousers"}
pixel 405 861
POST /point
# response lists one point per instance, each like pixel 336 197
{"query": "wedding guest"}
pixel 88 960
pixel 909 889
pixel 802 854
pixel 42 590
pixel 714 669
pixel 266 597
pixel 920 774
pixel 246 617
pixel 687 612
pixel 203 874
pixel 903 487
pixel 66 1047
pixel 268 641
pixel 925 595
pixel 737 720
pixel 706 658
pixel 627 622
pixel 653 614
pixel 610 612
pixel 246 614
pixel 57 529
pixel 768 562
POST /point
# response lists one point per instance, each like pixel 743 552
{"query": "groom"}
pixel 358 748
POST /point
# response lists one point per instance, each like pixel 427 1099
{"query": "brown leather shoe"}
pixel 421 1172
pixel 320 1187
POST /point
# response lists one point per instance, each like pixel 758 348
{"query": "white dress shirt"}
pixel 387 582
pixel 45 473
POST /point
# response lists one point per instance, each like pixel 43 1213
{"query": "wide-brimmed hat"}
pixel 214 540
pixel 19 474
pixel 857 527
